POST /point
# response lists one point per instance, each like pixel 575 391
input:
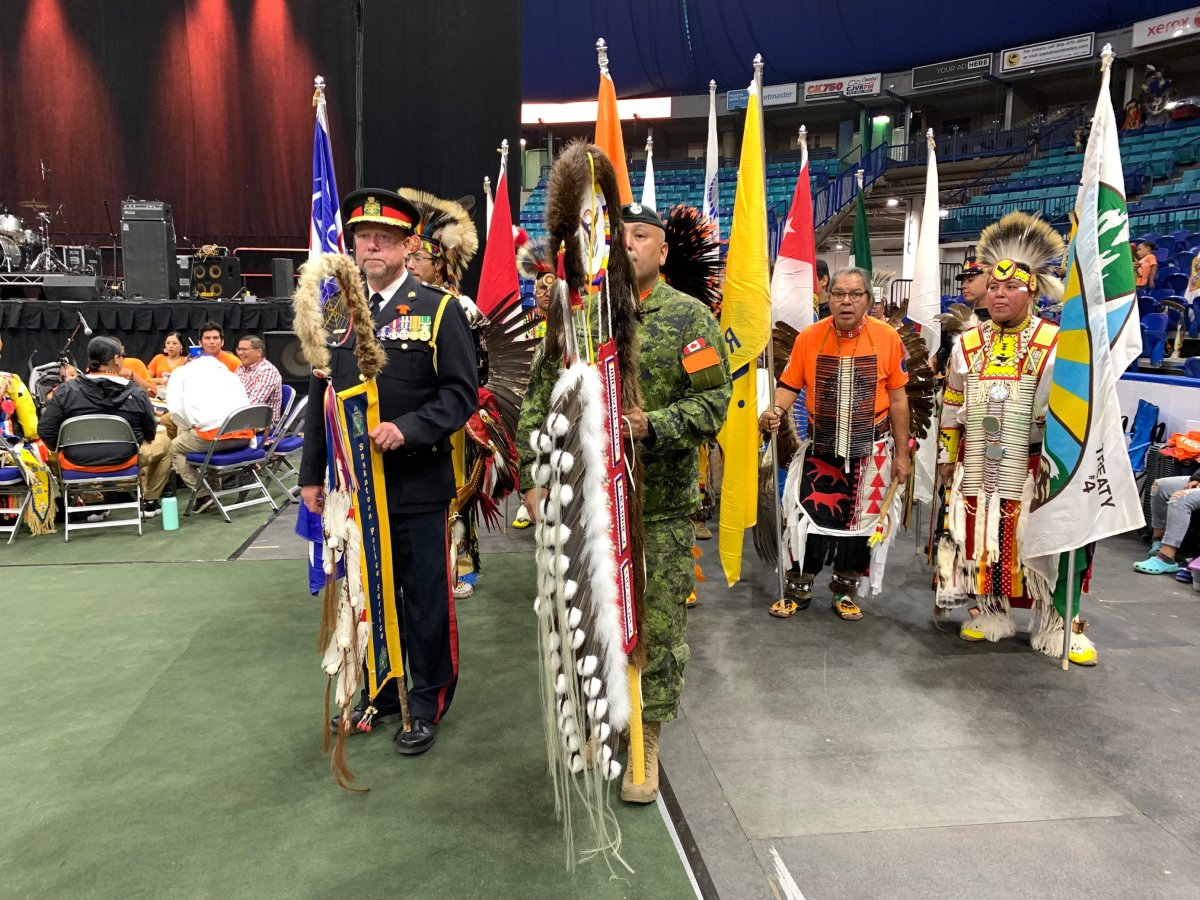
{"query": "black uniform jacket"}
pixel 426 404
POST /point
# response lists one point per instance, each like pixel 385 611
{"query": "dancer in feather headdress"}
pixel 485 455
pixel 577 453
pixel 993 417
pixel 382 444
pixel 841 489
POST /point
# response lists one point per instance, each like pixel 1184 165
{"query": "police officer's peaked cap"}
pixel 379 206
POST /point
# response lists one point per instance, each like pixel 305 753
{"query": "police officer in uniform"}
pixel 427 391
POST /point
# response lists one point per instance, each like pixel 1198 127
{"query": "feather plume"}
pixel 1028 240
pixel 693 254
pixel 957 319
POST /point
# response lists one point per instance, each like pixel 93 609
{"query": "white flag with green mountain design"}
pixel 1091 492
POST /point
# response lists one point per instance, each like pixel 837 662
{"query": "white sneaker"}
pixel 463 589
pixel 98 516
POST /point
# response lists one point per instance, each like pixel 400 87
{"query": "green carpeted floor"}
pixel 200 537
pixel 161 738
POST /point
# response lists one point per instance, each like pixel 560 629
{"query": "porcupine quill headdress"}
pixel 589 555
pixel 322 314
pixel 446 225
pixel 1030 243
pixel 693 254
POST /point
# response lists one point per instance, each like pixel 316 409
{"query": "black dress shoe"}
pixel 364 717
pixel 420 739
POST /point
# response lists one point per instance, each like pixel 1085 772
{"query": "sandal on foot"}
pixel 847 609
pixel 784 609
pixel 1154 548
pixel 1156 565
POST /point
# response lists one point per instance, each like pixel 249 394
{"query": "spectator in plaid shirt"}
pixel 259 376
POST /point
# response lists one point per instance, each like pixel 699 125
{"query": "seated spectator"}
pixel 200 397
pixel 1146 264
pixel 18 428
pixel 135 370
pixel 101 390
pixel 1172 502
pixel 212 343
pixel 172 357
pixel 258 375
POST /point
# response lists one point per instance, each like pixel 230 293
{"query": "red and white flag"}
pixel 794 281
pixel 498 280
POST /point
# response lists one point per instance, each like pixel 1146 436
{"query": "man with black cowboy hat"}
pixel 427 391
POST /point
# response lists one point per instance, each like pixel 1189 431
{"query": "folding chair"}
pixel 288 441
pixel 80 431
pixel 230 463
pixel 287 398
pixel 14 483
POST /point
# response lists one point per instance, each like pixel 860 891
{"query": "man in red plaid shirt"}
pixel 261 379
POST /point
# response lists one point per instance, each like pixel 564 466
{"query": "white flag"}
pixel 1092 493
pixel 711 195
pixel 924 306
pixel 648 198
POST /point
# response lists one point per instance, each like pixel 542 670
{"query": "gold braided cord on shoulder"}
pixel 309 321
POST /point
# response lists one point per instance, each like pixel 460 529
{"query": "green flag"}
pixel 860 247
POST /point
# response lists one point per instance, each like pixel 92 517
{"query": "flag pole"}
pixel 1066 661
pixel 487 193
pixel 777 506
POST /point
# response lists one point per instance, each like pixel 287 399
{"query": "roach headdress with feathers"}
pixel 446 227
pixel 1024 247
pixel 693 254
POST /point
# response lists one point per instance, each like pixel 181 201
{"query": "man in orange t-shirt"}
pixel 212 342
pixel 851 370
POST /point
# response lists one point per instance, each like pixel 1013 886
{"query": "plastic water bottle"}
pixel 170 514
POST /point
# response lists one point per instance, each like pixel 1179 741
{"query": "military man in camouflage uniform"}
pixel 685 383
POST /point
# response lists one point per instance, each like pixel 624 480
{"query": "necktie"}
pixel 377 302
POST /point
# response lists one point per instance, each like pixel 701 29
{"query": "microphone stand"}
pixel 112 234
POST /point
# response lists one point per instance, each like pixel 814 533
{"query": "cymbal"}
pixel 34 204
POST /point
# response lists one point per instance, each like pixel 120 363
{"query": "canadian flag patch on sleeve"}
pixel 702 364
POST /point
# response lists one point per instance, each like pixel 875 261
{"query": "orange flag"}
pixel 608 134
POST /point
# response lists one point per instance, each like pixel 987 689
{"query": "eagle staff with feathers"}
pixel 394 376
pixel 611 488
pixel 993 419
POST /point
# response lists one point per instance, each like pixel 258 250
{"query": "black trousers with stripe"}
pixel 425 605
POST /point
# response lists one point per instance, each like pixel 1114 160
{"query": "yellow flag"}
pixel 745 323
pixel 608 135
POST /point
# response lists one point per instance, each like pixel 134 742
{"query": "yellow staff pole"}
pixel 637 749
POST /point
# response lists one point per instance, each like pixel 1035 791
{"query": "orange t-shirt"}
pixel 876 339
pixel 162 364
pixel 1145 269
pixel 231 362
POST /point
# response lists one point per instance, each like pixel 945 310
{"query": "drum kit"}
pixel 24 248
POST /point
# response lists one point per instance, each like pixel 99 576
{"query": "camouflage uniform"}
pixel 684 410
